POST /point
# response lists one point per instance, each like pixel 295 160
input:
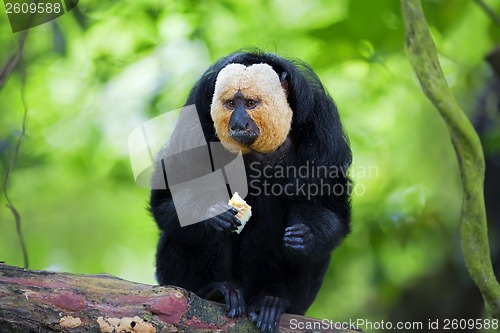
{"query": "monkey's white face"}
pixel 249 109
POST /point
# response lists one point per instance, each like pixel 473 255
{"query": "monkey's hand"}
pixel 298 239
pixel 232 294
pixel 224 218
pixel 266 313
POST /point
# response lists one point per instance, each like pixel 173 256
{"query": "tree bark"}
pixel 41 301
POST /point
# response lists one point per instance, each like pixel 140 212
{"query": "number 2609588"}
pixel 32 8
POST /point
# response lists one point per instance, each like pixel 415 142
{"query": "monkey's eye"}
pixel 230 104
pixel 250 104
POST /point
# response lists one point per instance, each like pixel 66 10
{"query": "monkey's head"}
pixel 249 108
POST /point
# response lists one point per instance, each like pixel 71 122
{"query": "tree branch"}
pixel 43 302
pixel 423 57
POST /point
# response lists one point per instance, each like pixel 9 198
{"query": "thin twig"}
pixel 13 61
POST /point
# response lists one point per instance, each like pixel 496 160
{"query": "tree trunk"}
pixel 40 301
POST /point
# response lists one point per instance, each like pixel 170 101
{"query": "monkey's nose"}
pixel 240 126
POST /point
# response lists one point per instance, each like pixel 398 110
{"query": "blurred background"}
pixel 96 73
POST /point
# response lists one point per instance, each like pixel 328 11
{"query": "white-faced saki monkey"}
pixel 277 113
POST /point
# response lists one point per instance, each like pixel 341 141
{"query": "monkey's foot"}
pixel 232 294
pixel 266 313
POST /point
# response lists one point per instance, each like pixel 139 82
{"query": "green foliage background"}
pixel 96 73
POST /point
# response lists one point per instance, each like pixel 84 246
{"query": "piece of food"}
pixel 244 210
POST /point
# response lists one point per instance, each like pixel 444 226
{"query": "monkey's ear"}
pixel 284 82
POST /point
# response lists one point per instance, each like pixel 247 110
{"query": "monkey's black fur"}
pixel 278 262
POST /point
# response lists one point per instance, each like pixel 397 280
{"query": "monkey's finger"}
pixel 304 239
pixel 252 315
pixel 297 240
pixel 228 221
pixel 226 292
pixel 217 227
pixel 263 319
pixel 298 247
pixel 236 221
pixel 237 304
pixel 232 313
pixel 231 309
pixel 221 224
pixel 269 325
pixel 234 224
pixel 272 312
pixel 228 216
pixel 273 318
pixel 233 301
pixel 241 303
pixel 292 233
pixel 298 228
pixel 293 240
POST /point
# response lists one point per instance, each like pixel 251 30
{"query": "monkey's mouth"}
pixel 243 137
